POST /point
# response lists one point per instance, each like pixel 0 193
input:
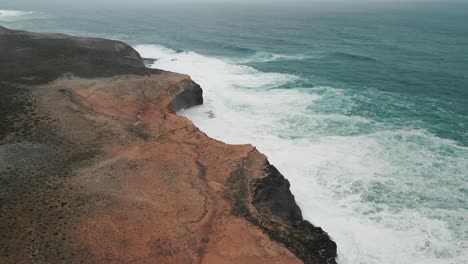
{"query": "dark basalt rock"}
pixel 192 95
pixel 34 58
pixel 272 195
pixel 36 190
pixel 149 61
pixel 269 204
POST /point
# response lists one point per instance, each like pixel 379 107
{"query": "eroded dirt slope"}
pixel 96 167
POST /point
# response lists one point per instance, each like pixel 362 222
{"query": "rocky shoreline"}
pixel 97 167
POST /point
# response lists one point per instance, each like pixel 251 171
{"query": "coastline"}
pixel 112 173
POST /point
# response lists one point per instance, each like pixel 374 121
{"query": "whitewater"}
pixel 356 187
pixel 11 15
pixel 365 115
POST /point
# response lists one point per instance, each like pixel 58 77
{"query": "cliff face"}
pixel 96 167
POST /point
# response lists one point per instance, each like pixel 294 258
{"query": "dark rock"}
pixel 34 58
pixel 46 135
pixel 149 61
pixel 275 211
pixel 272 195
pixel 191 95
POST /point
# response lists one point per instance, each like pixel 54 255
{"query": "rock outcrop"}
pixel 96 167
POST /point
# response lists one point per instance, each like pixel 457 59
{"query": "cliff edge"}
pixel 96 167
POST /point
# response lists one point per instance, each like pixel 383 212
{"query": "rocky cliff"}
pixel 96 167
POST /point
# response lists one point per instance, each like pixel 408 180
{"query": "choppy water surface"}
pixel 366 113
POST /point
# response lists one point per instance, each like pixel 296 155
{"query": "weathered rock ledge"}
pixel 96 167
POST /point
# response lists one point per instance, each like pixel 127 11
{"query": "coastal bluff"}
pixel 97 167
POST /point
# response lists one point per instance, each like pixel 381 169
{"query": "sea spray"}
pixel 364 112
pixel 384 194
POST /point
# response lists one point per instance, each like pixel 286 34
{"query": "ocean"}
pixel 364 110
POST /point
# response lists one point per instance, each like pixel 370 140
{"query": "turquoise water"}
pixel 365 111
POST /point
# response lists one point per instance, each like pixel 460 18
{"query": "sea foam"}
pixel 11 15
pixel 384 195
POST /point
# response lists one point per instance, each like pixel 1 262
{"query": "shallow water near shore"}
pixel 364 112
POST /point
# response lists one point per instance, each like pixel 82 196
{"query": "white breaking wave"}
pixel 358 188
pixel 267 57
pixel 11 15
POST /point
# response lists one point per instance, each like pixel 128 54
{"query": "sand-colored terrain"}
pixel 97 167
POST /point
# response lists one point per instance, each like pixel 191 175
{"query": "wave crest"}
pixel 8 15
